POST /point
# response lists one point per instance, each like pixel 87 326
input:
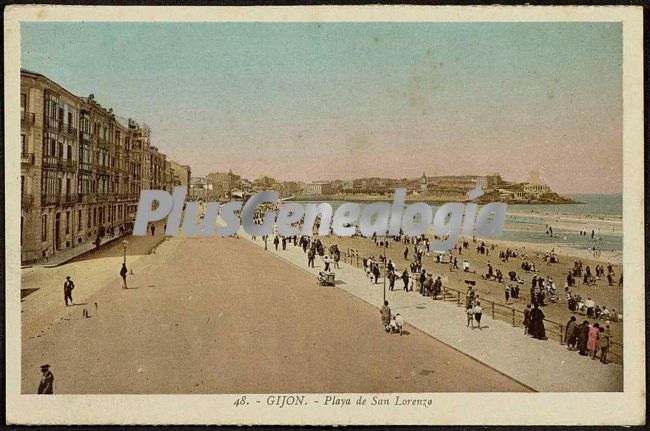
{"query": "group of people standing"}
pixel 588 340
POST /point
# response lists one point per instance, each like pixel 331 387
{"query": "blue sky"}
pixel 319 101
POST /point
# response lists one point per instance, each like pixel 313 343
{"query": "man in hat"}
pixel 123 273
pixel 46 387
pixel 68 285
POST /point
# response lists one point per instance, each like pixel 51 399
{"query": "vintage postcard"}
pixel 324 215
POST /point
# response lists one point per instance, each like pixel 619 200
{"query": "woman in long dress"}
pixel 593 344
pixel 537 329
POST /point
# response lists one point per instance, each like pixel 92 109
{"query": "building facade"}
pixel 81 169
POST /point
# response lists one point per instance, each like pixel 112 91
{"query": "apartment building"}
pixel 82 169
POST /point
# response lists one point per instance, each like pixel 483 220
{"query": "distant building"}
pixel 180 175
pixel 536 189
pixel 222 183
pixel 200 189
pixel 318 188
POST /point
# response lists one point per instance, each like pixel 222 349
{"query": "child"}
pixel 470 314
pixel 399 321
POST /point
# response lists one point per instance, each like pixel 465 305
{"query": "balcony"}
pixel 70 131
pixel 67 200
pixel 51 162
pixel 50 199
pixel 85 166
pixel 27 158
pixel 68 164
pixel 27 201
pixel 103 170
pixel 88 198
pixel 27 119
pixel 103 142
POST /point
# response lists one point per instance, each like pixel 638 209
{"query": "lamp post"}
pixel 124 244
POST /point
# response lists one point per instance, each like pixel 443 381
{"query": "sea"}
pixel 524 224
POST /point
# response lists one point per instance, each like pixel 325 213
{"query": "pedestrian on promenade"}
pixel 153 229
pixel 123 273
pixel 46 386
pixel 605 338
pixel 375 272
pixel 507 292
pixel 385 316
pixel 406 253
pixel 399 321
pixel 405 279
pixel 478 312
pixel 310 257
pixel 423 277
pixel 583 337
pixel 276 242
pixel 68 285
pixel 571 335
pixel 284 243
pixel 326 261
pixel 337 258
pixel 537 329
pixel 527 320
pixel 470 315
pixel 593 344
pixel 391 280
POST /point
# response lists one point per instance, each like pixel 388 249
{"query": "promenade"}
pixel 544 366
pixel 220 315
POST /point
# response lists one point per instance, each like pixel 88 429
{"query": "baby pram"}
pixel 326 278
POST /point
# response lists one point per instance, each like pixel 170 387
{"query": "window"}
pixel 70 119
pixel 44 228
pixel 23 104
pixel 68 191
pixel 79 221
pixel 67 222
pixel 94 216
pixel 22 185
pixel 88 220
pixel 69 152
pixel 53 147
pixel 23 144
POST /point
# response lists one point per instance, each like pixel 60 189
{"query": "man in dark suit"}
pixel 46 387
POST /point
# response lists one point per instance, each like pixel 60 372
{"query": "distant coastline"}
pixel 550 200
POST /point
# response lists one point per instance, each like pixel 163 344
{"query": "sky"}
pixel 318 101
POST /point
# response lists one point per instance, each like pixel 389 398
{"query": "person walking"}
pixel 391 280
pixel 123 273
pixel 153 229
pixel 478 313
pixel 310 257
pixel 385 315
pixel 571 334
pixel 276 242
pixel 583 337
pixel 46 386
pixel 507 293
pixel 470 315
pixel 405 279
pixel 537 329
pixel 593 344
pixel 68 285
pixel 605 338
pixel 527 320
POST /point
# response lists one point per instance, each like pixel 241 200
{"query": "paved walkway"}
pixel 544 366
